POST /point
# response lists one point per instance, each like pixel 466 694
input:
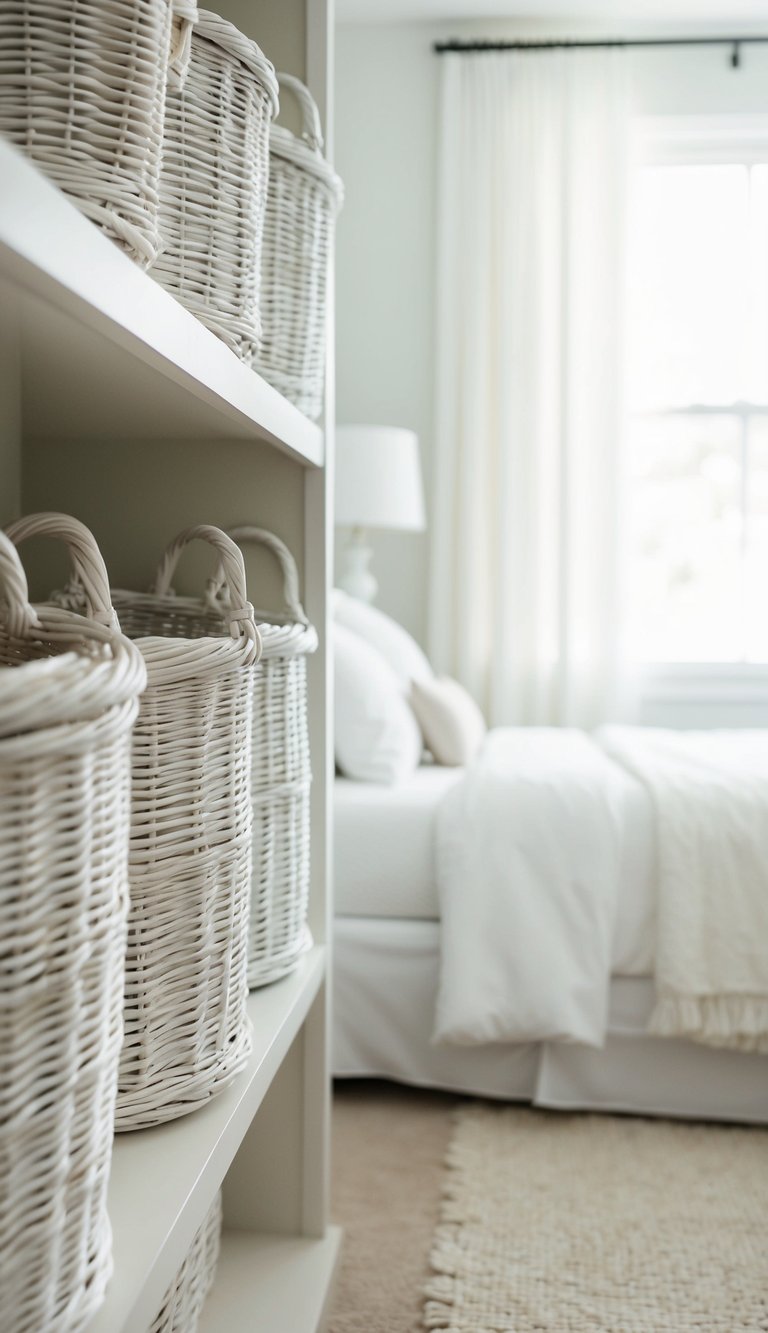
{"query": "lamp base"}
pixel 356 578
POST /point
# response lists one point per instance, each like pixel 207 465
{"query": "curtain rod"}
pixel 464 48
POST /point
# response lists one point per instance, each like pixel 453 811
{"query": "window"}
pixel 698 396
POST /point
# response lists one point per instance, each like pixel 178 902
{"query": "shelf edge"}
pixel 272 1283
pixel 164 1180
pixel 86 276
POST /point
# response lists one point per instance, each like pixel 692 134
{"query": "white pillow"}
pixel 377 737
pixel 452 724
pixel 384 634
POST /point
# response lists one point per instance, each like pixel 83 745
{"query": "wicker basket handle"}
pixel 185 17
pixel 311 129
pixel 20 616
pixel 239 609
pixel 88 566
pixel 262 537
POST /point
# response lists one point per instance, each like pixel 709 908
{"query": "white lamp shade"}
pixel 378 479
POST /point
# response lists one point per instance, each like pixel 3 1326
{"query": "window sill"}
pixel 702 695
pixel 740 684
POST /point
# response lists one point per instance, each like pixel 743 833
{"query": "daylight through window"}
pixel 698 399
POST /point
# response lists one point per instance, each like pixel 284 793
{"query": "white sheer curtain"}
pixel 525 578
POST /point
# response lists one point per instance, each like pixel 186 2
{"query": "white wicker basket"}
pixel 185 1298
pixel 304 197
pixel 281 777
pixel 82 92
pixel 186 1029
pixel 213 184
pixel 68 699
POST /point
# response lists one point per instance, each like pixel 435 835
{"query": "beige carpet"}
pixel 389 1148
pixel 600 1224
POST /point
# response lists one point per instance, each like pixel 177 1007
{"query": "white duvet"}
pixel 535 848
pixel 528 854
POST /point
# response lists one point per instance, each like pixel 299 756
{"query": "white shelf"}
pixel 273 1284
pixel 163 1180
pixel 95 357
pixel 108 354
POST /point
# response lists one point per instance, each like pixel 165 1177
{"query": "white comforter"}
pixel 532 854
pixel 528 853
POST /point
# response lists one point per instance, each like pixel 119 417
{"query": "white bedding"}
pixel 531 849
pixel 529 854
pixel 710 799
pixel 384 844
pixel 384 858
pixel 385 983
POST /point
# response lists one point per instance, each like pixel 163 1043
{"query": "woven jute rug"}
pixel 600 1224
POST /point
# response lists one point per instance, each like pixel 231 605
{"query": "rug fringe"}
pixel 440 1290
pixel 437 1316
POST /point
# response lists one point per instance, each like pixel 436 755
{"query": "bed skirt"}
pixel 385 982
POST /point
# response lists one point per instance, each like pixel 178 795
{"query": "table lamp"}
pixel 378 485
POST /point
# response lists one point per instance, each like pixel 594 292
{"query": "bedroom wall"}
pixel 386 148
pixel 385 144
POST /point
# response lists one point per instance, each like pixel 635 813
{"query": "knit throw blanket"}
pixel 710 792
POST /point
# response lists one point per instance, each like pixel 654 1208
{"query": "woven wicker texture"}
pixel 82 92
pixel 281 777
pixel 214 181
pixel 303 199
pixel 185 1298
pixel 186 1029
pixel 68 699
pixel 600 1224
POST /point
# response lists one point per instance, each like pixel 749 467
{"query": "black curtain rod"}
pixel 464 48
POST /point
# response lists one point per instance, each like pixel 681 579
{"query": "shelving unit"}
pixel 116 405
pixel 163 1180
pixel 114 355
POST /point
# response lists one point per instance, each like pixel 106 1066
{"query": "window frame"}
pixel 700 140
pixel 692 140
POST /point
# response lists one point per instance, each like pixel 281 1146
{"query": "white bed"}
pixel 387 954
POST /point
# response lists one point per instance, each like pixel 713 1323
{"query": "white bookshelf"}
pixel 118 406
pixel 111 353
pixel 280 1282
pixel 163 1180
